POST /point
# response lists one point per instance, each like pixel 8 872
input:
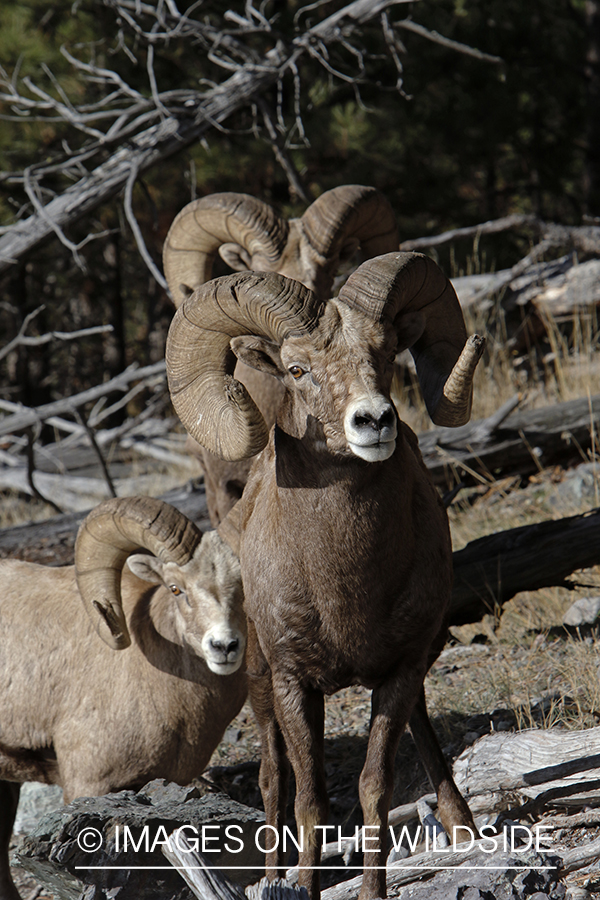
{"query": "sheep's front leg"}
pixel 391 706
pixel 274 766
pixel 452 807
pixel 300 712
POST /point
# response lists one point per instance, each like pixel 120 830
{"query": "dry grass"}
pixel 562 366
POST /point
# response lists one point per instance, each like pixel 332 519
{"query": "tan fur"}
pixel 76 713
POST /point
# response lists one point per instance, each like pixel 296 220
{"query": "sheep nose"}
pixel 365 419
pixel 222 647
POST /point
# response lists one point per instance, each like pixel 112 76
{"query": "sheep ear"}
pixel 259 354
pixel 236 257
pixel 349 249
pixel 148 568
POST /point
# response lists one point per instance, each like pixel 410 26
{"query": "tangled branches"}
pixel 112 140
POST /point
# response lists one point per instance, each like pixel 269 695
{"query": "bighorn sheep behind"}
pixel 249 235
pixel 75 713
pixel 344 548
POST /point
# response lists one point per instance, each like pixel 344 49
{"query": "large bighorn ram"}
pixel 75 713
pixel 344 547
pixel 248 234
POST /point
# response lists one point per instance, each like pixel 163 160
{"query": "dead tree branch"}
pixel 27 417
pixel 22 340
pixel 492 227
pixel 166 122
pixel 409 25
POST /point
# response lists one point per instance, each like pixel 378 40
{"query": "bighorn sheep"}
pixel 344 543
pixel 248 234
pixel 75 713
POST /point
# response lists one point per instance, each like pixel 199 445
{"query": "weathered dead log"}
pixel 491 570
pixel 554 289
pixel 209 883
pixel 542 768
pixel 512 441
pixel 452 873
pixel 51 541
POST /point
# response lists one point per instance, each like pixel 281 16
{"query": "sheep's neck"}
pixel 303 461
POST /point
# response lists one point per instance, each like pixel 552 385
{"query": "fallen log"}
pixel 512 441
pixel 538 768
pixel 51 541
pixel 492 569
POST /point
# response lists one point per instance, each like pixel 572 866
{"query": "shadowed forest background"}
pixel 452 139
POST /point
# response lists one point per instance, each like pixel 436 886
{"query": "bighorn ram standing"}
pixel 248 234
pixel 344 548
pixel 75 713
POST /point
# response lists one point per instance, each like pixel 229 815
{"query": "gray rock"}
pixel 35 801
pixel 584 611
pixel 111 845
pixel 580 483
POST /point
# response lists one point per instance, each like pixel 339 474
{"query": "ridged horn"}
pixel 351 211
pixel 398 284
pixel 215 409
pixel 107 536
pixel 204 225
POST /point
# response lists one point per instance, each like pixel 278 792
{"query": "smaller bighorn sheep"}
pixel 345 548
pixel 249 235
pixel 75 713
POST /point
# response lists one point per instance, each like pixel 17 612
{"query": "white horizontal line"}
pixel 391 869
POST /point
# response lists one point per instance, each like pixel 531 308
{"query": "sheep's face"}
pixel 208 597
pixel 302 262
pixel 338 379
pixel 298 260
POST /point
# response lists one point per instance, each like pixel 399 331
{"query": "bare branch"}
pixel 281 154
pixel 409 25
pixel 30 470
pixel 21 340
pixel 491 227
pixel 139 239
pixel 25 418
pixel 42 211
pixel 395 46
pixel 94 444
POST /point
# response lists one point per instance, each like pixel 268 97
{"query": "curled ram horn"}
pixel 108 535
pixel 214 407
pixel 250 235
pixel 411 291
pixel 205 225
pixel 407 288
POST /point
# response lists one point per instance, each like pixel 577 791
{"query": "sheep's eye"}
pixel 296 371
